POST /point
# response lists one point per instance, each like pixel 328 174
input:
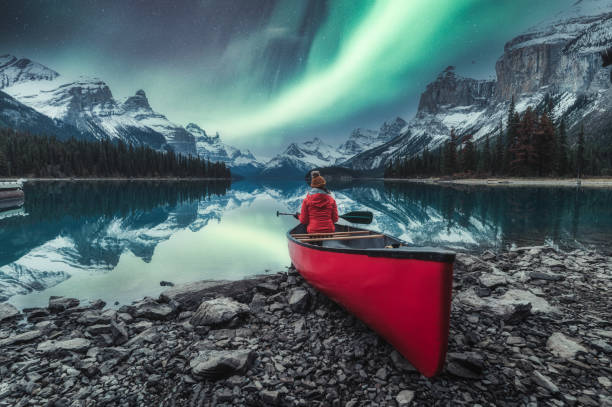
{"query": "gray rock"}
pixel 601 346
pixel 299 300
pixel 468 365
pixel 99 329
pixel 7 311
pixel 459 370
pixel 563 346
pixel 505 304
pixel 59 304
pixel 141 326
pixel 536 275
pixel 382 373
pixel 152 310
pixel 517 314
pixel 190 295
pixel 93 317
pixel 21 338
pixel 217 364
pixel 270 397
pixel 69 345
pixel 404 397
pixel 219 311
pixel 605 382
pixel 544 382
pixel 268 288
pixel 258 302
pixel 119 332
pixel 490 280
pixel 401 363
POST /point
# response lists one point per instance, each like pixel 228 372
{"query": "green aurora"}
pixel 266 72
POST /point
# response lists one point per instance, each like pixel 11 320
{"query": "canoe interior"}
pixel 370 243
pixel 386 246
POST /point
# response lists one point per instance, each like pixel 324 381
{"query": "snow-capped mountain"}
pixel 88 105
pixel 213 149
pixel 298 159
pixel 38 99
pixel 556 61
pixel 16 115
pixel 14 70
pixel 365 139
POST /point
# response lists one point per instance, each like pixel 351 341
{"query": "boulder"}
pixel 191 295
pixel 218 364
pixel 151 309
pixel 490 280
pixel 404 397
pixel 544 382
pixel 93 317
pixel 563 346
pixel 299 300
pixel 258 302
pixel 219 311
pixel 505 304
pixel 7 311
pixel 69 345
pixel 268 288
pixel 59 304
pixel 21 338
pixel 119 332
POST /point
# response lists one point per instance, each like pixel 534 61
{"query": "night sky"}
pixel 266 72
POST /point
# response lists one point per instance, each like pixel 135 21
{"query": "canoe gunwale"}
pixel 408 253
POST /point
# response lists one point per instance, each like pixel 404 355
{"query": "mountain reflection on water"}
pixel 118 240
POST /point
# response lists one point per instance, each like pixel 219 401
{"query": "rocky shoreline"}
pixel 530 326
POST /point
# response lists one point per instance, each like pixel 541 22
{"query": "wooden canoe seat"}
pixel 322 239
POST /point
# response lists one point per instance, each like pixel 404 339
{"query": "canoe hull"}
pixel 407 301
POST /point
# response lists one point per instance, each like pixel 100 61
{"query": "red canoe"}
pixel 402 293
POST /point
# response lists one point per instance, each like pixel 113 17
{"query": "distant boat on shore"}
pixel 11 195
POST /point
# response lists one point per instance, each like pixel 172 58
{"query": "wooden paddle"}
pixel 362 217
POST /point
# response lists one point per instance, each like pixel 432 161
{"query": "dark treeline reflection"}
pixel 113 198
pixel 517 215
pixel 79 209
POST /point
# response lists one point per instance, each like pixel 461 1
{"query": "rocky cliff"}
pixel 555 62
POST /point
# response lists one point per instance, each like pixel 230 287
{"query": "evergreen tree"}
pixel 450 154
pixel 544 146
pixel 486 156
pixel 497 164
pixel 4 168
pixel 522 150
pixel 561 160
pixel 468 155
pixel 580 152
pixel 511 134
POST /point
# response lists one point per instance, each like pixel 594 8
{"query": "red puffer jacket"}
pixel 319 212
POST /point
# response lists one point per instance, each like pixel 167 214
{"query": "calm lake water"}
pixel 118 240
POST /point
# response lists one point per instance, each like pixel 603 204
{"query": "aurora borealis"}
pixel 265 72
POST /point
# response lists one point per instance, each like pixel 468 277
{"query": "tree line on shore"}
pixel 26 155
pixel 531 146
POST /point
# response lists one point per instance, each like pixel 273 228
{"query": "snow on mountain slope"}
pixel 14 70
pixel 88 105
pixel 365 139
pixel 297 159
pixel 16 115
pixel 557 61
pixel 213 149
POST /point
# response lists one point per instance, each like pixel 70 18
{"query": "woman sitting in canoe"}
pixel 319 211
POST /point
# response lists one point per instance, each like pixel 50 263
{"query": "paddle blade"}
pixel 362 217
